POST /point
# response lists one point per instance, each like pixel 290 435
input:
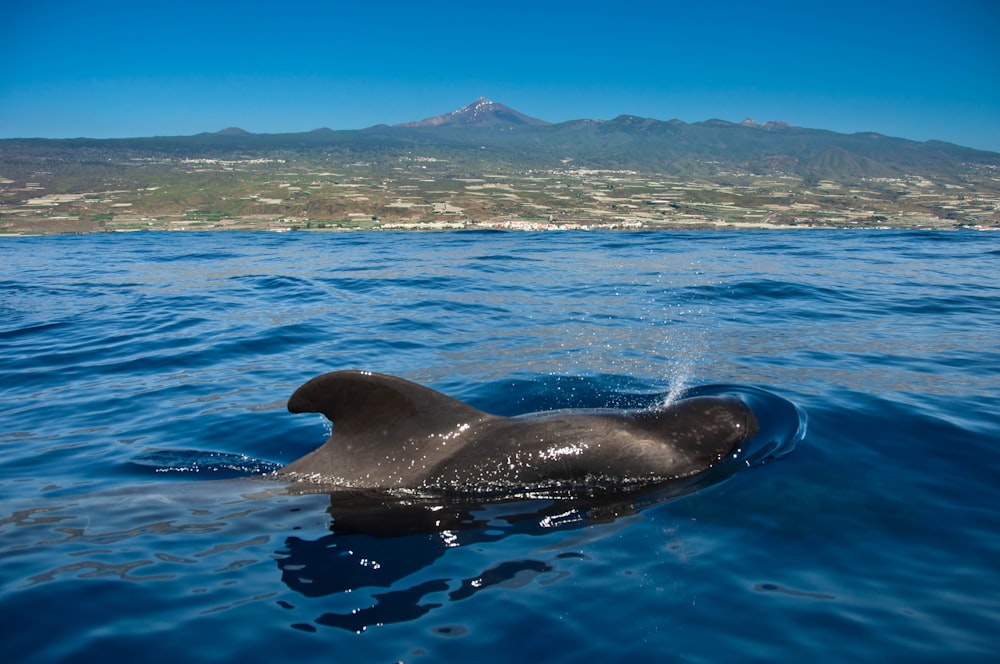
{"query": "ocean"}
pixel 144 383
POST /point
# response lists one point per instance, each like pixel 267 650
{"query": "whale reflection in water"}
pixel 412 473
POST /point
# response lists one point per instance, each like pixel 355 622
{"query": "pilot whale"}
pixel 390 433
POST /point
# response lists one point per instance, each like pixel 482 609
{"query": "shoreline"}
pixel 514 227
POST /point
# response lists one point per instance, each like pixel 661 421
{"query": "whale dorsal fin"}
pixel 361 401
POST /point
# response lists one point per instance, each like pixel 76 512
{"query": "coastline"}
pixel 45 227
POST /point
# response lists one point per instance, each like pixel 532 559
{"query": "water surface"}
pixel 144 378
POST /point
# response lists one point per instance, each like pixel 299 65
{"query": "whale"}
pixel 390 434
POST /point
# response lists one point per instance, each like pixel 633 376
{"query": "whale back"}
pixel 390 433
pixel 603 448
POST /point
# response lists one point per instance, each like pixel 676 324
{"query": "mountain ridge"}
pixel 485 132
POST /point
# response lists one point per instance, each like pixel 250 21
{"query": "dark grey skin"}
pixel 390 434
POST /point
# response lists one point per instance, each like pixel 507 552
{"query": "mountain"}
pixel 486 134
pixel 480 113
pixel 233 131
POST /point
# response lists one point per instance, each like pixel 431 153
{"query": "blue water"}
pixel 144 379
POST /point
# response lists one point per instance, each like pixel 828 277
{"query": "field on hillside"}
pixel 412 191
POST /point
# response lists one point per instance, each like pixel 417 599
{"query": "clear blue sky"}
pixel 916 69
